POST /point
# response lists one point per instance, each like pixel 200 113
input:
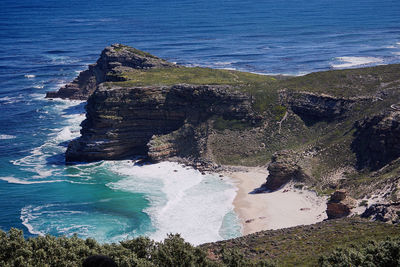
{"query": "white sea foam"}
pixel 6 136
pixel 10 100
pixel 69 218
pixel 26 216
pixel 13 180
pixel 223 63
pixel 29 76
pixel 348 62
pixel 37 96
pixel 62 60
pixel 36 161
pixel 182 199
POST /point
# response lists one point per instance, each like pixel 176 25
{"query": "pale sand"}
pixel 283 208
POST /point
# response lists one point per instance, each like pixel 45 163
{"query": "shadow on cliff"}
pixel 310 120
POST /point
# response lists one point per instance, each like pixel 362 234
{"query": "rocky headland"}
pixel 325 131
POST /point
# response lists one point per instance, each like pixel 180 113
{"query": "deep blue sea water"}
pixel 44 44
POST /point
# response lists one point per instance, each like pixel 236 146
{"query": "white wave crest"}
pixel 13 180
pixel 348 62
pixel 10 100
pixel 6 136
pixel 29 76
pixel 36 161
pixel 26 216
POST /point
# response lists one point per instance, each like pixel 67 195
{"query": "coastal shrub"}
pixel 221 124
pixel 385 253
pixel 49 250
pixel 279 112
pixel 235 258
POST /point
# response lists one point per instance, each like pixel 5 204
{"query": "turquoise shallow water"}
pixel 44 44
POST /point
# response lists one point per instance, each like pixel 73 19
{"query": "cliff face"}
pixel 122 120
pixel 114 60
pixel 314 107
pixel 377 139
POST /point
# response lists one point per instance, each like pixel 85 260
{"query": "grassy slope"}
pixel 303 245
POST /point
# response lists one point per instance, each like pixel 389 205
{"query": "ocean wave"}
pixel 348 62
pixel 37 159
pixel 7 136
pixel 25 216
pixel 29 76
pixel 396 53
pixel 13 180
pixel 61 60
pixel 70 218
pixel 10 100
pixel 38 86
pixel 182 199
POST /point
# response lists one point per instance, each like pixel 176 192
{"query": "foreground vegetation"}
pixel 63 251
pixel 346 242
pixel 305 245
pixel 385 253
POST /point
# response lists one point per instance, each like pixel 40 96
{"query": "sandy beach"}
pixel 283 208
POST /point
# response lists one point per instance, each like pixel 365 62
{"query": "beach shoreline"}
pixel 283 208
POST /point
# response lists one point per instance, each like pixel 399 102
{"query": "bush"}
pixel 384 253
pixel 48 250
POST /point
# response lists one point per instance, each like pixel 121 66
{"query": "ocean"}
pixel 45 44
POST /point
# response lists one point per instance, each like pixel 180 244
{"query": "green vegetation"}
pixel 196 75
pixel 384 253
pixel 279 112
pixel 221 124
pixel 133 50
pixel 258 86
pixel 346 83
pixel 53 251
pixel 304 245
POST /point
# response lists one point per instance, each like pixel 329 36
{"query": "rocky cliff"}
pixel 377 139
pixel 113 61
pixel 317 106
pixel 121 121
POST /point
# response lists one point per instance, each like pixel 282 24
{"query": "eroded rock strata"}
pixel 377 139
pixel 122 120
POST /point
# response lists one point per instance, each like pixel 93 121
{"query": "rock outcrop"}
pixel 127 121
pixel 339 205
pixel 282 169
pixel 114 60
pixel 377 140
pixel 318 106
pixel 383 212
